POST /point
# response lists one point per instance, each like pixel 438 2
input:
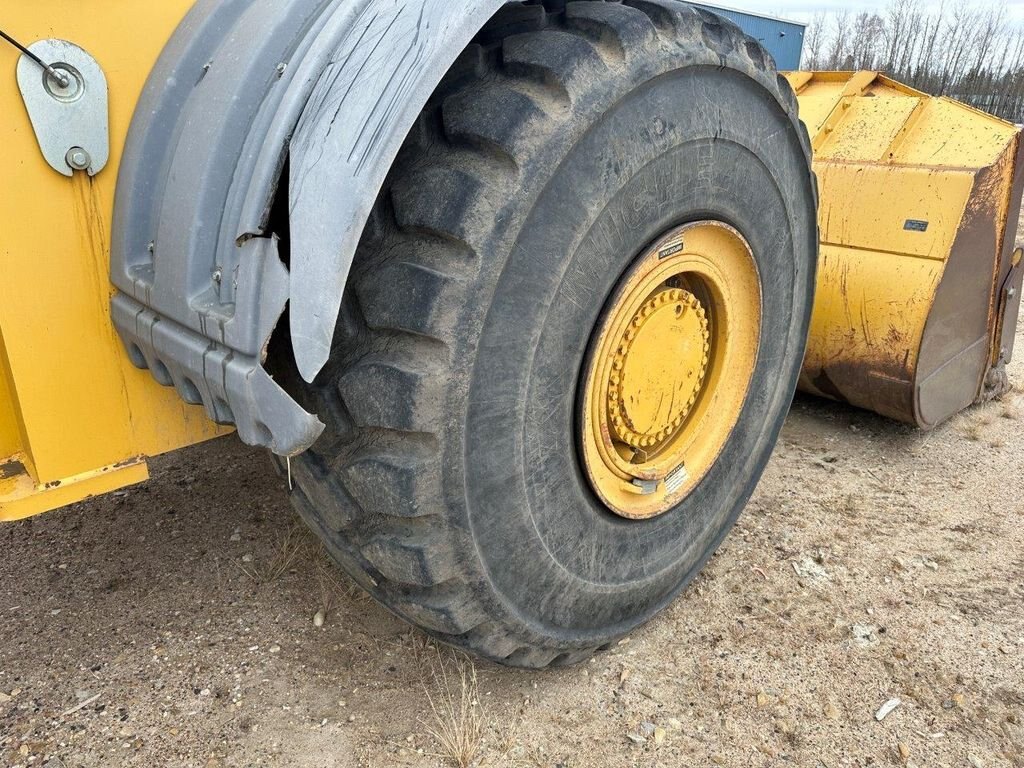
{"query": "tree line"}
pixel 971 52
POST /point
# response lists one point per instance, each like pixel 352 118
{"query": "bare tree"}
pixel 838 51
pixel 814 42
pixel 898 20
pixel 866 40
pixel 968 49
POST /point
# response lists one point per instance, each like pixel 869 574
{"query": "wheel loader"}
pixel 517 294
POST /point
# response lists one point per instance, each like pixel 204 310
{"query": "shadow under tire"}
pixel 567 140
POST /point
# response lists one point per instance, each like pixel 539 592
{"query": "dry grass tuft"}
pixel 508 738
pixel 335 584
pixel 329 579
pixel 287 552
pixel 974 431
pixel 458 724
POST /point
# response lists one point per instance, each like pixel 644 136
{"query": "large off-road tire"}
pixel 570 137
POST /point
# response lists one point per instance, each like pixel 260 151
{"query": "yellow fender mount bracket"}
pixel 918 278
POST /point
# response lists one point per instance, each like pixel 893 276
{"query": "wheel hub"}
pixel 670 368
pixel 659 369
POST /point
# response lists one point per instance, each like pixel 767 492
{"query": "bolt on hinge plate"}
pixel 71 122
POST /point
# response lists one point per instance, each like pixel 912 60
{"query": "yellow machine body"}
pixel 919 281
pixel 76 417
pixel 908 322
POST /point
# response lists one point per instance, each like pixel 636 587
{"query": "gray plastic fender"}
pixel 363 106
pixel 332 87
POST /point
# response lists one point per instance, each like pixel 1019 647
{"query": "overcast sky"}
pixel 803 10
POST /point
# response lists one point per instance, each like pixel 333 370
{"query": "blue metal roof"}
pixel 784 40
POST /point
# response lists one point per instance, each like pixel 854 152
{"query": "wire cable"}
pixel 62 79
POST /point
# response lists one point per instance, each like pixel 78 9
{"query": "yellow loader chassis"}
pixel 918 296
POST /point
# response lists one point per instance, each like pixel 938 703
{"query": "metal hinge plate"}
pixel 71 123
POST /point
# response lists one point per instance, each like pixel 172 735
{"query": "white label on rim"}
pixel 677 479
pixel 671 250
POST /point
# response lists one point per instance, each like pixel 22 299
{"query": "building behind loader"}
pixel 782 38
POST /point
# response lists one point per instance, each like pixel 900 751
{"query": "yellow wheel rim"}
pixel 670 368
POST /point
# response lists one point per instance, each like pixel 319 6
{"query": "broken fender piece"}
pixel 217 376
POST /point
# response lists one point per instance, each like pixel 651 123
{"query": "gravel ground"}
pixel 191 622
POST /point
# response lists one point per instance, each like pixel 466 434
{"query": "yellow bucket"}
pixel 919 280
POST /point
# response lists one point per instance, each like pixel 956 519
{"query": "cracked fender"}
pixel 362 107
pixel 244 89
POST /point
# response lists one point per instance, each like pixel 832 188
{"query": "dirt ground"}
pixel 175 624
